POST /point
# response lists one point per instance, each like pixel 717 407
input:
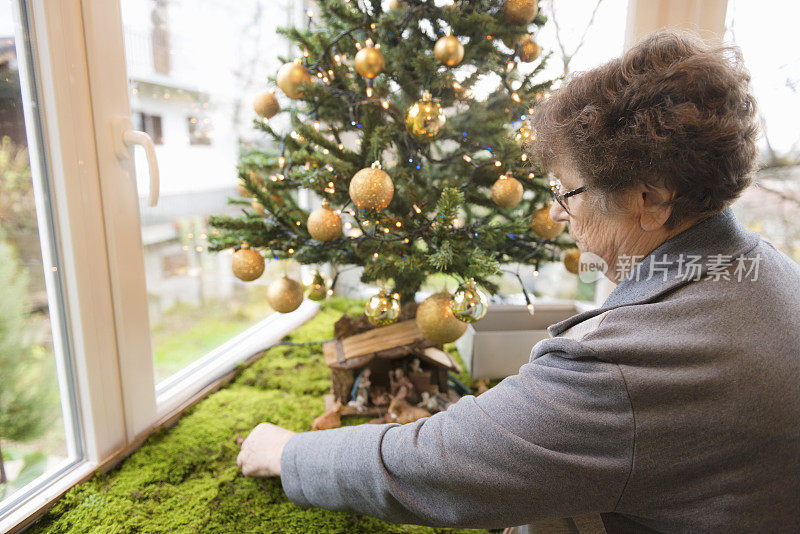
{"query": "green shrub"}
pixel 26 395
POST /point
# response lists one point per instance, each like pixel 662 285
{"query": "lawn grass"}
pixel 188 332
pixel 185 478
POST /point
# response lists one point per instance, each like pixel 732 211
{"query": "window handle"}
pixel 125 137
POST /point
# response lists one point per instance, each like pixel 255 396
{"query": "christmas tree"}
pixel 423 176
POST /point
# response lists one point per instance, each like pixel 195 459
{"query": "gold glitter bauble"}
pixel 469 304
pixel 383 309
pixel 247 264
pixel 258 207
pixel 529 50
pixel 371 188
pixel 520 12
pixel 425 119
pixel 266 105
pixel 545 227
pixel 436 321
pixel 507 192
pixel 285 295
pixel 317 286
pixel 572 260
pixel 323 224
pixel 395 4
pixel 369 62
pixel 290 77
pixel 449 51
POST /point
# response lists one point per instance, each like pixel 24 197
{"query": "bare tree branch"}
pixel 589 25
pixel 566 57
pixel 783 195
pixel 772 160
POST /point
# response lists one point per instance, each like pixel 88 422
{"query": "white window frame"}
pixel 64 109
pixel 143 403
pixel 82 81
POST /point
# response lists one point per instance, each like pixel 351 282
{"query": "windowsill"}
pixel 30 509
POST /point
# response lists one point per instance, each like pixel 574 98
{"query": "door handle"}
pixel 124 137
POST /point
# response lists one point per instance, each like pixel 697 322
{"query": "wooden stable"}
pixel 382 349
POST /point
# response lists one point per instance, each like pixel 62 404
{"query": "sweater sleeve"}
pixel 555 440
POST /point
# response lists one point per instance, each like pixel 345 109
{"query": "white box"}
pixel 500 343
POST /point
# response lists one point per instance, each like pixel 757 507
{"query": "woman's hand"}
pixel 261 451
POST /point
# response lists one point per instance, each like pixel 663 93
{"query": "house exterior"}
pixel 192 74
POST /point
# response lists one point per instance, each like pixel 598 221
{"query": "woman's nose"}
pixel 558 213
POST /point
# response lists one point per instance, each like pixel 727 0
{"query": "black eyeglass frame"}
pixel 562 198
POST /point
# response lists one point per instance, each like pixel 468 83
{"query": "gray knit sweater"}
pixel 674 407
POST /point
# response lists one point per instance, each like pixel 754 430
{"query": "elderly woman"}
pixel 675 406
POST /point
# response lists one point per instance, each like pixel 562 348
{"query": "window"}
pixel 82 263
pixel 194 302
pixel 775 72
pixel 39 427
pixel 198 130
pixel 151 125
pixel 579 35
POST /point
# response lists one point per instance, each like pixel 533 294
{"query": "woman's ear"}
pixel 654 206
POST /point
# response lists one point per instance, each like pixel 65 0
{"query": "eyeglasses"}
pixel 555 188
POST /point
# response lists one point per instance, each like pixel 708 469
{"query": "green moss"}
pixel 185 478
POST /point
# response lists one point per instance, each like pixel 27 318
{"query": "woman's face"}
pixel 608 235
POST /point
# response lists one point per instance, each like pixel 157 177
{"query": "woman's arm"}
pixel 556 440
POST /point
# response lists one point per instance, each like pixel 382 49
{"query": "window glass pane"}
pixel 194 68
pixel 579 35
pixel 771 206
pixel 37 436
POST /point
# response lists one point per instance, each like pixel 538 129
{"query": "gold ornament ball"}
pixel 449 51
pixel 469 304
pixel 520 12
pixel 369 62
pixel 395 4
pixel 371 188
pixel 382 309
pixel 324 225
pixel 285 295
pixel 529 50
pixel 425 119
pixel 436 321
pixel 545 227
pixel 266 105
pixel 572 260
pixel 317 287
pixel 290 77
pixel 258 207
pixel 507 192
pixel 247 264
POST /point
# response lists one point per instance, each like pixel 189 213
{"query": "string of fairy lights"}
pixel 371 189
